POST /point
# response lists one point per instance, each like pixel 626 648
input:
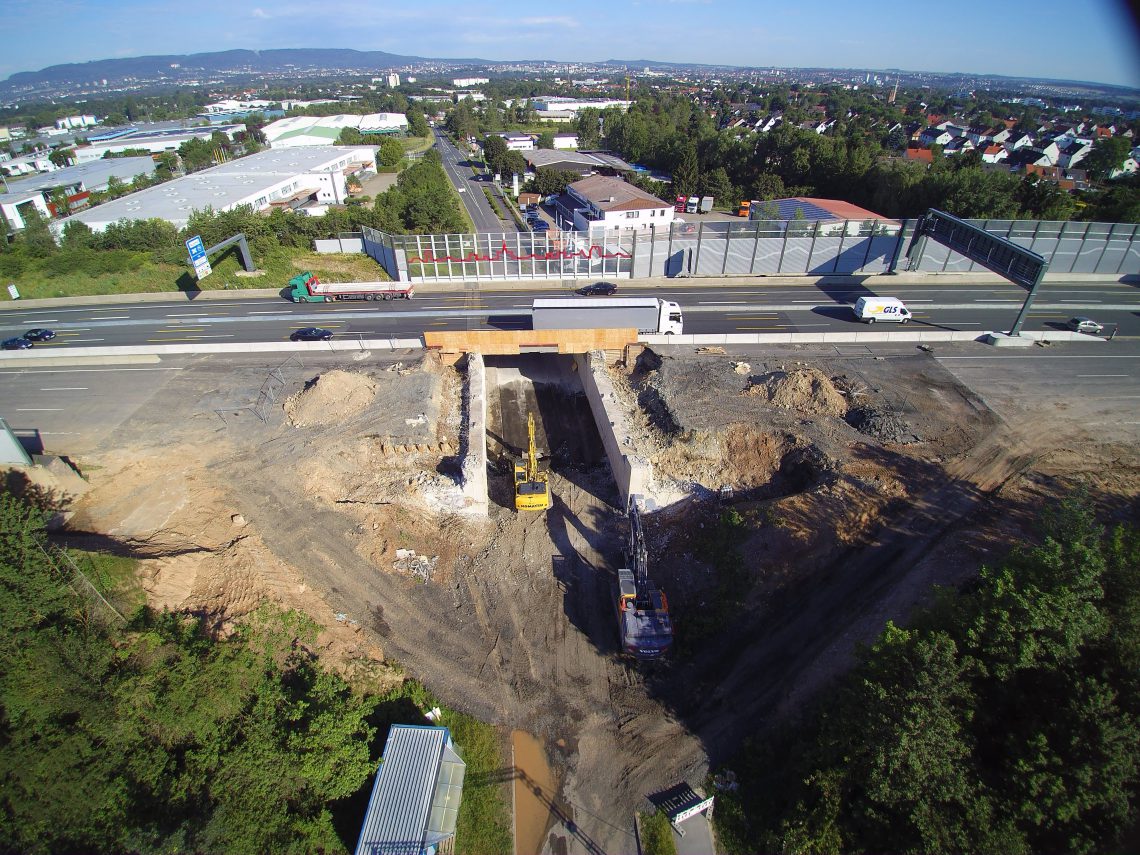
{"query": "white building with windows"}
pixel 305 180
pixel 610 204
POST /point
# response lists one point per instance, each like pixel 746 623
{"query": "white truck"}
pixel 645 314
pixel 871 308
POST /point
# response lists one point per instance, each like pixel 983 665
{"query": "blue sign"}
pixel 195 248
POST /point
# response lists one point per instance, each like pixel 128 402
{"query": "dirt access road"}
pixel 860 478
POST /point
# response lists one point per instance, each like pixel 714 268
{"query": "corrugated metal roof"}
pixel 415 799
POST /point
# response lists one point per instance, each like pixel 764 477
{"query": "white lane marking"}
pixel 110 317
pixel 77 340
pixel 276 312
pixel 38 409
pixel 40 320
pixel 1104 375
pixel 64 389
pixel 78 370
pixel 1045 356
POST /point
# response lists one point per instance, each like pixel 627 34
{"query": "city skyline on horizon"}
pixel 985 41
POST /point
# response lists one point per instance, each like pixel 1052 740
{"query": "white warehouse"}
pixel 304 180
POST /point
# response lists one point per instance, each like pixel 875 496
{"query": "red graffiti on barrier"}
pixel 503 253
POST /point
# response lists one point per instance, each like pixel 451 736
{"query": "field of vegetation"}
pixel 126 729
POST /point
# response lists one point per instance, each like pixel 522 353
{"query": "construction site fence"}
pixel 748 247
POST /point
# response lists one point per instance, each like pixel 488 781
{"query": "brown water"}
pixel 535 794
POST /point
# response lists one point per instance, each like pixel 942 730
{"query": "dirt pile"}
pixel 805 390
pixel 882 425
pixel 330 398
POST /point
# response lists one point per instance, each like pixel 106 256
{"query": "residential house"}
pixel 1018 139
pixel 958 145
pixel 601 202
pixel 922 154
pixel 1073 153
pixel 994 154
pixel 935 136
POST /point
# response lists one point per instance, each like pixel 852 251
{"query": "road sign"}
pixel 202 267
pixel 195 248
pixel 13 292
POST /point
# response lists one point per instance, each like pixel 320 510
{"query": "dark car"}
pixel 540 226
pixel 1085 325
pixel 598 289
pixel 15 344
pixel 311 334
pixel 38 334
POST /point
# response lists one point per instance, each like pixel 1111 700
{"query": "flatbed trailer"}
pixel 307 288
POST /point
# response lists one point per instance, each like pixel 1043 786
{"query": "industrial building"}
pixel 303 180
pixel 154 140
pixel 562 104
pixel 297 131
pixel 78 182
pixel 415 799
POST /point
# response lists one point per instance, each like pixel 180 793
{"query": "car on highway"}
pixel 1085 325
pixel 311 334
pixel 15 344
pixel 39 334
pixel 598 289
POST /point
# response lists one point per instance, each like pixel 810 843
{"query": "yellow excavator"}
pixel 532 489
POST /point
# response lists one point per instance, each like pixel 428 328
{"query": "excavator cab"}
pixel 532 488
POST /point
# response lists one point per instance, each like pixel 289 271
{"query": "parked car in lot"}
pixel 39 334
pixel 540 226
pixel 311 334
pixel 598 289
pixel 1085 325
pixel 15 344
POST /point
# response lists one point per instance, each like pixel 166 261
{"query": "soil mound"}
pixel 805 390
pixel 330 398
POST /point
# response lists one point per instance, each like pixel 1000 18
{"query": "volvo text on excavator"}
pixel 532 487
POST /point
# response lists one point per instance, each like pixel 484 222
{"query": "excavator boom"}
pixel 532 487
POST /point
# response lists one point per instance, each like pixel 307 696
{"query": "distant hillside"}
pixel 152 67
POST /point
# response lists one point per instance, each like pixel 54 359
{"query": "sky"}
pixel 1093 40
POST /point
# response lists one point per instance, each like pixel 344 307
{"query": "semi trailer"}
pixel 307 288
pixel 645 314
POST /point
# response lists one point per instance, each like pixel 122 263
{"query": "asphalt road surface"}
pixel 455 164
pixel 710 307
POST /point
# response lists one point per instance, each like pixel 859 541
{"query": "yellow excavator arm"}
pixel 532 488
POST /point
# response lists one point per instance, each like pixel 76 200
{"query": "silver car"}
pixel 1085 325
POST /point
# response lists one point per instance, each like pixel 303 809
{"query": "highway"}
pixel 470 191
pixel 710 307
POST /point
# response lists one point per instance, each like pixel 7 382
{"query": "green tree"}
pixel 62 156
pixel 390 153
pixel 350 136
pixel 495 152
pixel 1108 154
pixel 545 140
pixel 686 175
pixel 417 124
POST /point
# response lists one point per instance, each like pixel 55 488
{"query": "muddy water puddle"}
pixel 535 794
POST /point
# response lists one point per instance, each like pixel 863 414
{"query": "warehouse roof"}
pixel 226 185
pixel 415 798
pixel 92 174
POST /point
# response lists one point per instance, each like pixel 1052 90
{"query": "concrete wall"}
pixel 475 438
pixel 633 474
pixel 339 245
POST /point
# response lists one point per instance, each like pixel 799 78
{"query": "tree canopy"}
pixel 1005 719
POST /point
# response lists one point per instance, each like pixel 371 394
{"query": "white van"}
pixel 871 309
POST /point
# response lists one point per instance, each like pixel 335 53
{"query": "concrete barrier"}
pixel 633 474
pixel 41 355
pixel 475 445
